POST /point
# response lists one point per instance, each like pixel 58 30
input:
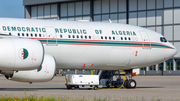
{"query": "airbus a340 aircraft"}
pixel 31 50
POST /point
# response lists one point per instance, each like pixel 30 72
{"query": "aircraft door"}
pixel 51 36
pixel 145 40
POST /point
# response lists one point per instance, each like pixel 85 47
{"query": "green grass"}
pixel 35 98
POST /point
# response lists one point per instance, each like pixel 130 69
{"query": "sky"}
pixel 11 8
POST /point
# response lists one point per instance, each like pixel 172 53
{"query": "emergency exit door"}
pixel 146 43
pixel 51 36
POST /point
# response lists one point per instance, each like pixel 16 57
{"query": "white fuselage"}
pixel 91 45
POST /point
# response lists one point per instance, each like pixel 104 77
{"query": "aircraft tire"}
pixel 125 83
pixel 72 88
pixel 68 87
pixel 131 83
pixel 95 88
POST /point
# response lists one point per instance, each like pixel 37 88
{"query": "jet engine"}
pixel 20 54
pixel 44 73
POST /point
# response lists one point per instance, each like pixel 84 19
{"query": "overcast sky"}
pixel 11 8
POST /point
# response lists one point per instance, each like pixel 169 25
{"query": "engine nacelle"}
pixel 20 54
pixel 44 73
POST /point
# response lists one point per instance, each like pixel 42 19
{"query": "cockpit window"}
pixel 163 39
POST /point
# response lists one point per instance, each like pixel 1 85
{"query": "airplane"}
pixel 31 49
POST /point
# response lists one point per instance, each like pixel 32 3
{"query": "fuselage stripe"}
pixel 105 43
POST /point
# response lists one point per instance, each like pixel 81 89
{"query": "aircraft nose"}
pixel 174 51
pixel 170 52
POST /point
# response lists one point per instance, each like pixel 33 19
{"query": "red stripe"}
pixel 105 45
pixel 105 41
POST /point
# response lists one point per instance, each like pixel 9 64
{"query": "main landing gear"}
pixel 129 82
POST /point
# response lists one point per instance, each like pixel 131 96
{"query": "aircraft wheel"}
pixel 125 83
pixel 72 88
pixel 68 87
pixel 131 83
pixel 95 88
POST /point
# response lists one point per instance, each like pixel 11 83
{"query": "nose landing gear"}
pixel 129 82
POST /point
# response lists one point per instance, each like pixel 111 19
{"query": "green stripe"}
pixel 158 45
pixel 105 43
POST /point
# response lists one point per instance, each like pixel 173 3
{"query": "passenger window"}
pixel 109 38
pixel 18 34
pixel 121 38
pixel 27 34
pixel 69 36
pixel 101 37
pixel 125 38
pixel 113 38
pixel 77 36
pixel 22 34
pixel 85 37
pixel 81 37
pixel 89 37
pixel 73 36
pixel 9 33
pixel 31 35
pixel 106 37
pixel 60 36
pixel 39 35
pixel 129 38
pixel 35 35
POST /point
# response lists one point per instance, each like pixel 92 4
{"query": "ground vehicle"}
pixel 81 81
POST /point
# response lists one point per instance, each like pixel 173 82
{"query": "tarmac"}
pixel 148 88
